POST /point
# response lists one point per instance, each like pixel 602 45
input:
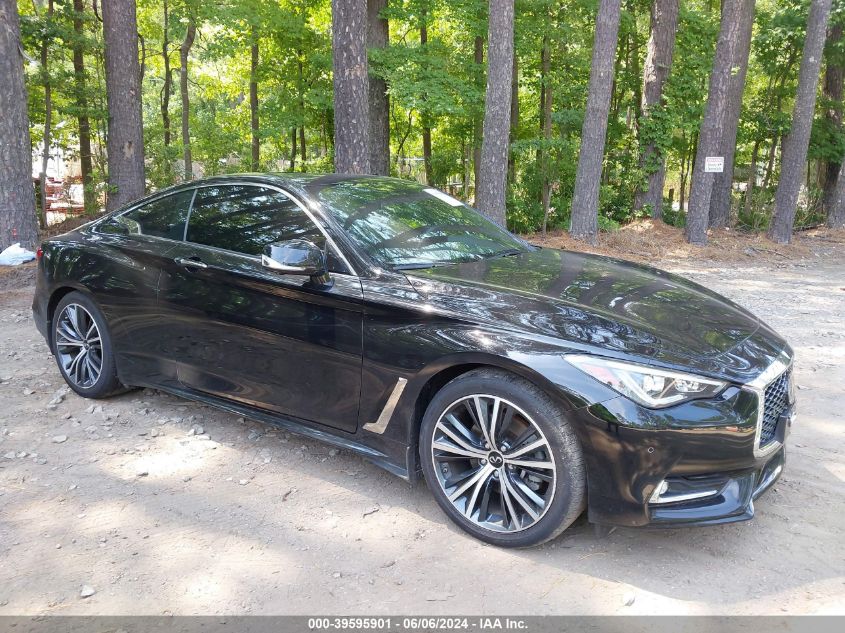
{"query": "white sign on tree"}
pixel 714 164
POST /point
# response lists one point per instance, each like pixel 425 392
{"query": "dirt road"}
pixel 159 505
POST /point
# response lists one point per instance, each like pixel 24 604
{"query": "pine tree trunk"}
pixel 834 77
pixel 478 58
pixel 424 119
pixel 47 139
pixel 351 87
pixel 797 141
pixel 17 195
pixel 546 128
pixel 585 199
pixel 718 103
pixel 836 212
pixel 514 119
pixel 720 198
pixel 752 176
pixel 379 102
pixel 184 51
pixel 492 176
pixel 253 100
pixel 125 142
pixel 658 64
pixel 85 163
pixel 168 77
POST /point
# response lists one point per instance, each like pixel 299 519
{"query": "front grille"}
pixel 775 402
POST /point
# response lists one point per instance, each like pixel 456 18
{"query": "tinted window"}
pixel 163 217
pixel 246 218
pixel 401 224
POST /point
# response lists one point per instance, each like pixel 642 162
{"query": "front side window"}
pixel 402 225
pixel 162 217
pixel 246 218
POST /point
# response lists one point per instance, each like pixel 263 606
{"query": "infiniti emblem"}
pixel 495 459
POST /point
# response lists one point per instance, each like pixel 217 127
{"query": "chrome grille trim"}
pixel 782 364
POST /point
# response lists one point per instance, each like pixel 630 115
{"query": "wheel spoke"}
pixel 530 463
pixel 73 320
pixel 494 416
pixel 479 485
pixel 483 423
pixel 506 482
pixel 457 450
pixel 512 518
pixel 522 487
pixel 481 473
pixel 461 428
pixel 533 446
pixel 457 439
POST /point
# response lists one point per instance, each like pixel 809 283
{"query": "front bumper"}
pixel 706 451
pixel 734 500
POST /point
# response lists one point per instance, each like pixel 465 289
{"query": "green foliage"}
pixel 437 84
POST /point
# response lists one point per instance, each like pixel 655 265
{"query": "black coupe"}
pixel 388 318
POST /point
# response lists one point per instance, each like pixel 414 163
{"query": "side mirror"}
pixel 296 257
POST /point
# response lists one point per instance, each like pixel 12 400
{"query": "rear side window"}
pixel 163 217
pixel 246 218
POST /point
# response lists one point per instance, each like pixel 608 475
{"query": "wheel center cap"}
pixel 86 346
pixel 495 459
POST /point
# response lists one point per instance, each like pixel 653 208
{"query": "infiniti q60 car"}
pixel 524 384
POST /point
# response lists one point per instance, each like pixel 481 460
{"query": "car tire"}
pixel 454 458
pixel 82 347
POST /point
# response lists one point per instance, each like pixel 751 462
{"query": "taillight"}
pixel 39 253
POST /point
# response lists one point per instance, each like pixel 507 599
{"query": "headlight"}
pixel 645 385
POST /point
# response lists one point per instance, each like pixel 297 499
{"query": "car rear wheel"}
pixel 82 347
pixel 501 459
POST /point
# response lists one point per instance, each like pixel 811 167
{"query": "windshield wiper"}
pixel 507 253
pixel 419 265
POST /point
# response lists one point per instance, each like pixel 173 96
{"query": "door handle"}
pixel 190 263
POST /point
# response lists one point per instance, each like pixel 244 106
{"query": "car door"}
pixel 240 331
pixel 131 248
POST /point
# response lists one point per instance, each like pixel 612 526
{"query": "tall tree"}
pixel 834 80
pixel 797 141
pixel 718 102
pixel 168 74
pixel 720 198
pixel 658 64
pixel 478 120
pixel 546 97
pixel 351 87
pixel 125 145
pixel 836 211
pixel 378 37
pixel 47 139
pixel 17 195
pixel 184 53
pixel 425 117
pixel 81 94
pixel 585 200
pixel 493 171
pixel 253 99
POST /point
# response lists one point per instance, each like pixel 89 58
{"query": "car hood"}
pixel 592 302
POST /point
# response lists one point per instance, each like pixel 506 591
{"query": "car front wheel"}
pixel 501 459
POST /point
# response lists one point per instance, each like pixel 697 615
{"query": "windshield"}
pixel 403 225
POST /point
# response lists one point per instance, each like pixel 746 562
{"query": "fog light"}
pixel 660 489
pixel 664 492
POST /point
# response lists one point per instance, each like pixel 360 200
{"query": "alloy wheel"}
pixel 79 346
pixel 493 463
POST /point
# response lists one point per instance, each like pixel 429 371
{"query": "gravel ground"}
pixel 148 504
